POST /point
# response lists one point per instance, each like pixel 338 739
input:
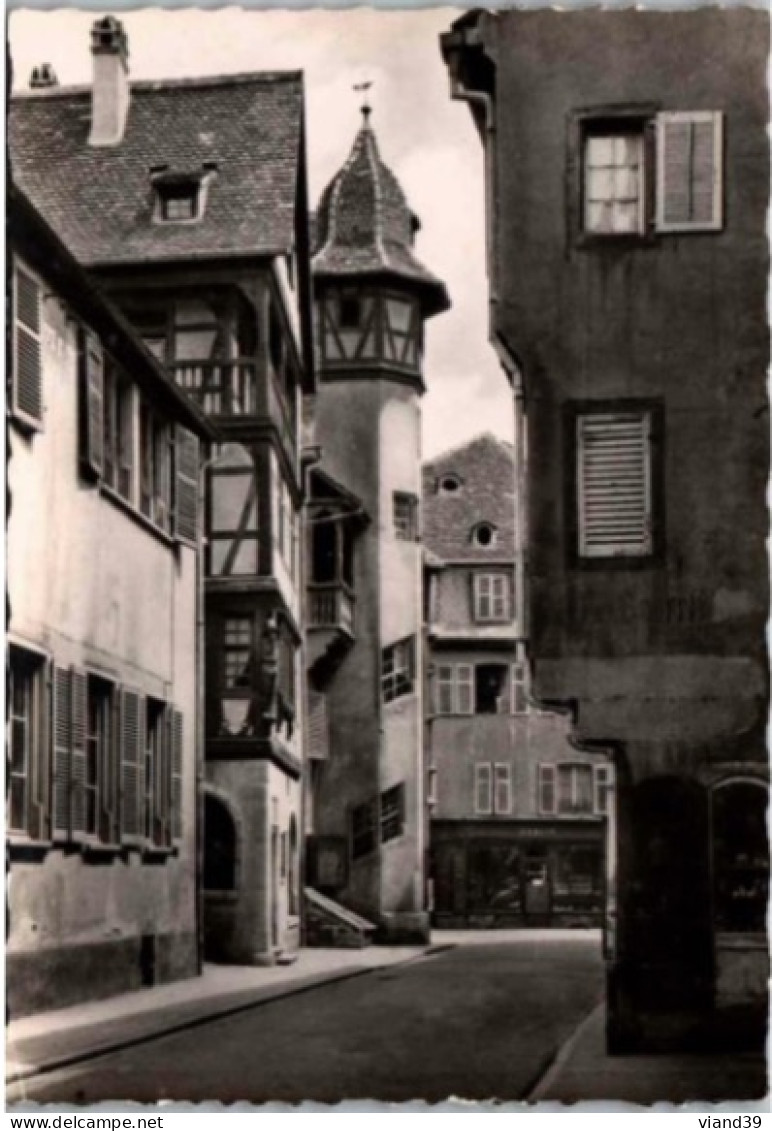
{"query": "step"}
pixel 330 924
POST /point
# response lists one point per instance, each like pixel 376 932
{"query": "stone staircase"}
pixel 329 924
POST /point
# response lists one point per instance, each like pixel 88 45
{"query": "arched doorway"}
pixel 220 879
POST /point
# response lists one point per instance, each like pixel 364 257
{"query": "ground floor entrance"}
pixel 517 873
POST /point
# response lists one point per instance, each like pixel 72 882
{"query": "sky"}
pixel 427 139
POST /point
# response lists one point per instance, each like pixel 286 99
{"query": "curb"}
pixel 538 1090
pixel 118 1044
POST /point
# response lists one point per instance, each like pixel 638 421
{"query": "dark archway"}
pixel 740 856
pixel 219 846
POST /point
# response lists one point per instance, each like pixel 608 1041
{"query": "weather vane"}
pixel 362 88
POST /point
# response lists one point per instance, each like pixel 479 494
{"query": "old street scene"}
pixel 388 447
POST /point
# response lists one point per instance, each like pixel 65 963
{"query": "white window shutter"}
pixel 502 801
pixel 547 790
pixel 464 689
pixel 689 171
pixel 61 733
pixel 614 484
pixel 27 377
pixel 483 789
pixel 132 756
pixel 176 776
pixel 78 756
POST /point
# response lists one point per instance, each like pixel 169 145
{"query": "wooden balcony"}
pixel 221 388
pixel 331 606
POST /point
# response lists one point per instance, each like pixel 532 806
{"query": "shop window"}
pixel 392 812
pixel 219 846
pixel 398 670
pixel 740 856
pixel 27 772
pixel 491 594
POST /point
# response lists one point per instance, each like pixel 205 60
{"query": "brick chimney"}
pixel 110 94
pixel 43 76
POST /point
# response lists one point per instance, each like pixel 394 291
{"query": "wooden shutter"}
pixel 689 171
pixel 603 779
pixel 483 788
pixel 132 759
pixel 92 403
pixel 186 461
pixel 78 756
pixel 547 790
pixel 614 484
pixel 465 689
pixel 502 799
pixel 519 702
pixel 162 780
pixel 61 734
pixel 176 776
pixel 444 690
pixel 27 377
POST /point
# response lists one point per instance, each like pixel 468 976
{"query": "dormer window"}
pixel 484 535
pixel 179 202
pixel 448 485
pixel 180 197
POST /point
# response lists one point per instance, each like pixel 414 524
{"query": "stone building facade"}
pixel 627 162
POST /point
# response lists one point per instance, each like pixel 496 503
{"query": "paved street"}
pixel 484 1019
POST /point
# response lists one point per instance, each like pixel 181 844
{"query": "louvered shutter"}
pixel 92 403
pixel 61 733
pixel 186 460
pixel 464 689
pixel 689 171
pixel 78 756
pixel 162 783
pixel 483 788
pixel 176 776
pixel 132 752
pixel 27 377
pixel 614 484
pixel 109 794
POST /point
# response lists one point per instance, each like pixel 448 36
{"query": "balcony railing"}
pixel 331 605
pixel 221 388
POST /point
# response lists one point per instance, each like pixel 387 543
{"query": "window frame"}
pixel 391 820
pixel 391 687
pixel 38 736
pixel 502 778
pixel 481 579
pixel 364 828
pixel 654 409
pixel 405 516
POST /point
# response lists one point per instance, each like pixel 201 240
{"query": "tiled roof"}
pixel 364 225
pixel 100 200
pixel 485 469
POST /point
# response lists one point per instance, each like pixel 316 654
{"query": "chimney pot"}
pixel 42 76
pixel 110 94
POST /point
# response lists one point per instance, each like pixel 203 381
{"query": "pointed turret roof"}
pixel 365 226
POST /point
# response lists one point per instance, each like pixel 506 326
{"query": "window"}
pixel 392 812
pixel 364 829
pixel 454 688
pixel 491 689
pixel 398 670
pixel 614 183
pixel 574 789
pixel 237 676
pixel 502 788
pixel 680 173
pixel 178 201
pixel 350 312
pixel 26 378
pixel 483 789
pixel 405 517
pixel 27 774
pixel 484 535
pixel 96 791
pixel 401 330
pixel 614 484
pixel 448 485
pixel 118 433
pixel 740 856
pixel 491 596
pixel 154 464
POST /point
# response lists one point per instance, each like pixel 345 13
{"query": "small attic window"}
pixel 448 485
pixel 178 202
pixel 484 535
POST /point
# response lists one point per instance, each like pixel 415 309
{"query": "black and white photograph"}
pixel 387 584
